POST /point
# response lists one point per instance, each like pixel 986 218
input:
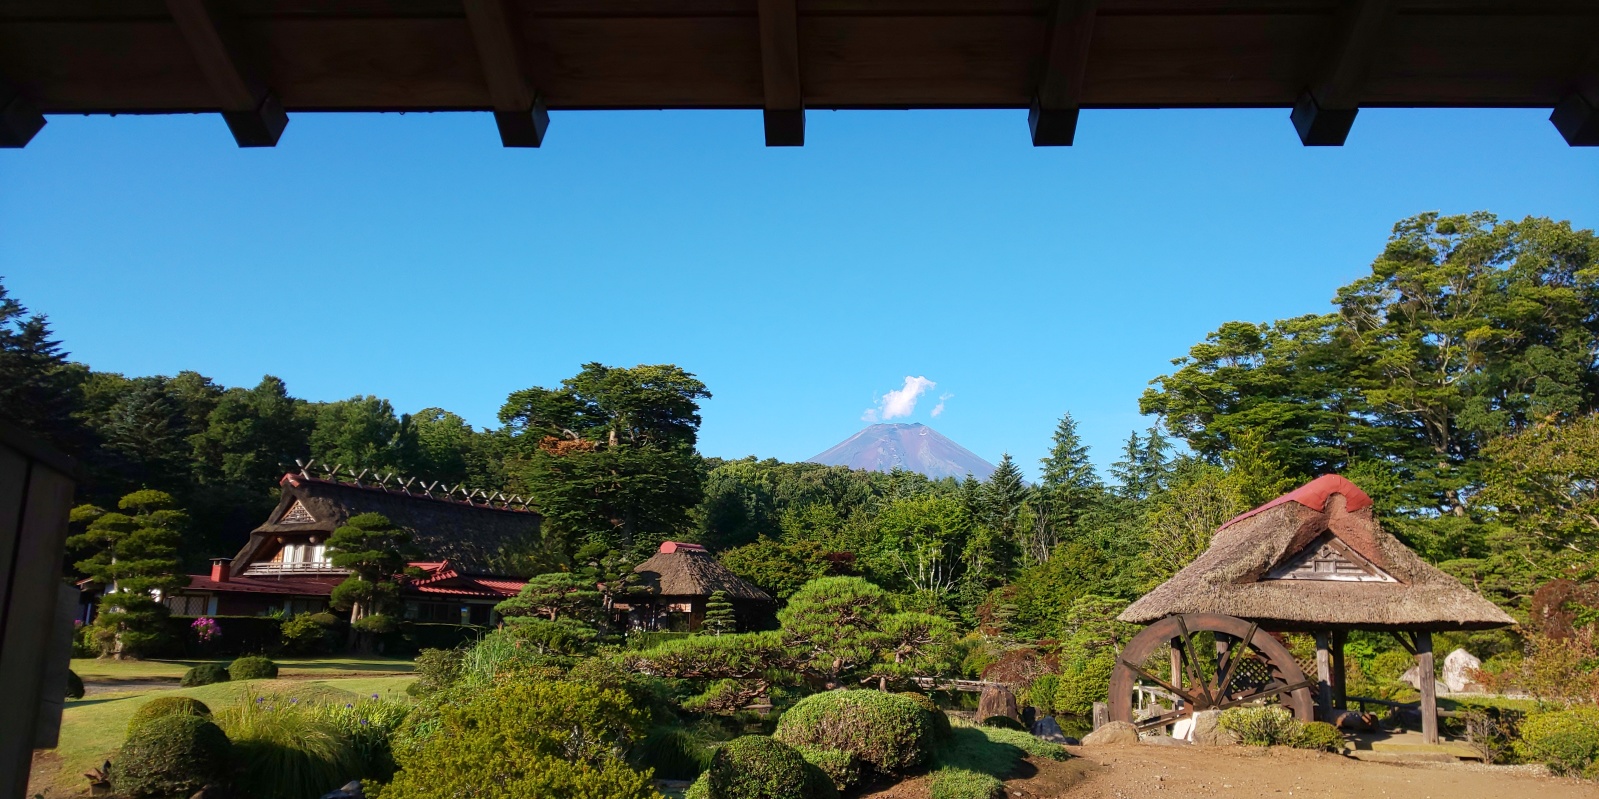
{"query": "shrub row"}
pixel 1274 725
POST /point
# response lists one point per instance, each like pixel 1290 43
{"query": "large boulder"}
pixel 1047 729
pixel 1116 732
pixel 997 700
pixel 1412 677
pixel 1459 668
pixel 1207 730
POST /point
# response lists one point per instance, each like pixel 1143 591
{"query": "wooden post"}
pixel 1324 675
pixel 1177 662
pixel 1101 715
pixel 1340 686
pixel 1429 687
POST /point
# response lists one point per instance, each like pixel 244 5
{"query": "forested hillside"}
pixel 1456 383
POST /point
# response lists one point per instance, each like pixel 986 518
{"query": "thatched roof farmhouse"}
pixel 676 582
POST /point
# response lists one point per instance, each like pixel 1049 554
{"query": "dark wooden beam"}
pixel 251 110
pixel 1577 115
pixel 1429 687
pixel 784 112
pixel 518 109
pixel 19 119
pixel 1053 116
pixel 1326 109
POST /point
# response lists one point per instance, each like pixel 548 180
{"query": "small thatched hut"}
pixel 1315 560
pixel 675 584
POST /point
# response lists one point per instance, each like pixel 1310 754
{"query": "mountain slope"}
pixel 913 447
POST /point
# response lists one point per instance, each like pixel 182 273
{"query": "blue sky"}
pixel 411 257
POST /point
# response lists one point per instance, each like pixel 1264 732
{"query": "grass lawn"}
pixel 92 728
pixel 975 761
pixel 107 670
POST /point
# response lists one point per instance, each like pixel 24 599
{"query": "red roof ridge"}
pixel 1314 495
pixel 669 547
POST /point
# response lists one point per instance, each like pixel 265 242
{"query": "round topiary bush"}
pixel 1321 736
pixel 163 706
pixel 205 674
pixel 941 728
pixel 887 732
pixel 252 668
pixel 74 685
pixel 842 769
pixel 757 767
pixel 170 756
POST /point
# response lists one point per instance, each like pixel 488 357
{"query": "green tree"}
pixel 37 388
pixel 134 554
pixel 921 540
pixel 364 433
pixel 609 456
pixel 1179 522
pixel 1145 466
pixel 778 567
pixel 719 618
pixel 251 437
pixel 376 552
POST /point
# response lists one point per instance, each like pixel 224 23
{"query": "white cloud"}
pixel 939 408
pixel 900 402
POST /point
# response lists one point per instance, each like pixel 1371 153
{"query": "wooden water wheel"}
pixel 1216 662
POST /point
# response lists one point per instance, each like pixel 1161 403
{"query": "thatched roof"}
pixel 1315 558
pixel 472 536
pixel 689 570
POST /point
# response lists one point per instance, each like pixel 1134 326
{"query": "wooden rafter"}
pixel 19 119
pixel 1326 109
pixel 1053 115
pixel 252 111
pixel 518 109
pixel 784 110
pixel 1577 115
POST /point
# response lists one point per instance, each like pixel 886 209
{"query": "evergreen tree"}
pixel 37 387
pixel 376 553
pixel 1146 465
pixel 134 553
pixel 1069 489
pixel 719 617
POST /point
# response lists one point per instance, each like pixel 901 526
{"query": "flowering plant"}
pixel 205 629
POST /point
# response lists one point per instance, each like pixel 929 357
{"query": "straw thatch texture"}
pixel 689 571
pixel 1233 576
pixel 472 537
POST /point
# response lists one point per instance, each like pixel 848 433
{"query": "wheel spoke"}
pixel 1163 719
pixel 1158 681
pixel 1191 663
pixel 1269 691
pixel 1235 655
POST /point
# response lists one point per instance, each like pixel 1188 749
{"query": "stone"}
pixel 1459 667
pixel 1413 679
pixel 1208 732
pixel 997 700
pixel 350 790
pixel 1116 732
pixel 1048 729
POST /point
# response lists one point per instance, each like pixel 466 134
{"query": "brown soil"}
pixel 1170 772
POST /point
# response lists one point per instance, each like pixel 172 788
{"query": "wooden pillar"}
pixel 1324 678
pixel 1340 686
pixel 1429 687
pixel 1177 662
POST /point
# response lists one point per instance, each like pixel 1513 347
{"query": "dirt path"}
pixel 1142 770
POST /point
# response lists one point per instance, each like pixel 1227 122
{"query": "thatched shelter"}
pixel 675 584
pixel 1315 560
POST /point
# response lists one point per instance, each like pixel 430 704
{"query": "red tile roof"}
pixel 298 585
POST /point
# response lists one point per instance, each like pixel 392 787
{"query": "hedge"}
pixel 1567 741
pixel 170 756
pixel 163 706
pixel 252 668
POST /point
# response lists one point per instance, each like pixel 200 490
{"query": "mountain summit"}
pixel 912 447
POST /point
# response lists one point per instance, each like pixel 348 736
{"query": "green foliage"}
pixel 700 788
pixel 936 714
pixel 1319 735
pixel 1567 741
pixel 778 567
pixel 957 783
pixel 284 751
pixel 522 738
pixel 1261 725
pixel 887 732
pixel 253 668
pixel 840 629
pixel 842 769
pixel 205 674
pixel 757 767
pixel 375 551
pixel 672 753
pixel 74 685
pixel 163 706
pixel 36 384
pixel 131 553
pixel 169 756
pixel 719 618
pixel 304 634
pixel 436 670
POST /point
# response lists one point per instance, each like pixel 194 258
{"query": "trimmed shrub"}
pixel 205 674
pixel 170 756
pixel 958 783
pixel 74 685
pixel 163 706
pixel 887 732
pixel 1003 723
pixel 1321 736
pixel 842 769
pixel 939 717
pixel 700 789
pixel 1567 741
pixel 252 668
pixel 305 634
pixel 757 767
pixel 1261 725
